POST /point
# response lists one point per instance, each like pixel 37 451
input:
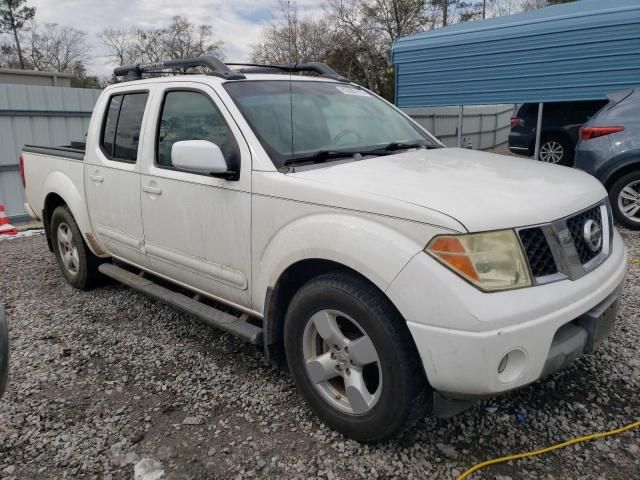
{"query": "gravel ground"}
pixel 112 384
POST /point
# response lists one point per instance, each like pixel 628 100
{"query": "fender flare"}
pixel 58 183
pixel 337 237
pixel 614 165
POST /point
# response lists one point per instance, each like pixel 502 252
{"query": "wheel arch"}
pixel 290 281
pixel 623 168
pixel 62 192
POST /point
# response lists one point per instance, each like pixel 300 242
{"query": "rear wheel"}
pixel 353 359
pixel 556 149
pixel 77 263
pixel 625 200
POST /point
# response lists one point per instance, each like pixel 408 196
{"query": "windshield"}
pixel 309 120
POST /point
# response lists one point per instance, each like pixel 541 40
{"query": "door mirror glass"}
pixel 198 156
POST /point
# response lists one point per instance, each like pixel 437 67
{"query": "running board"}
pixel 237 326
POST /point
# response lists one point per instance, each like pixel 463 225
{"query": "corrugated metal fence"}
pixel 37 115
pixel 483 126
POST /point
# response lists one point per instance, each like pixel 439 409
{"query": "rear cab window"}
pixel 122 126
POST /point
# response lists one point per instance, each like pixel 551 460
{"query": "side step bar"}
pixel 237 326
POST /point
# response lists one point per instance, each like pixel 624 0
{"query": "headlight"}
pixel 491 261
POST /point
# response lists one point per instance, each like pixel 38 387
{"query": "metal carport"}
pixel 575 51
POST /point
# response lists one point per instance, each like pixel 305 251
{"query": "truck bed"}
pixel 75 151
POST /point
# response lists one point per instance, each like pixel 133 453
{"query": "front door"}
pixel 112 177
pixel 197 227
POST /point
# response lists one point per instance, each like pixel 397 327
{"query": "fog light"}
pixel 503 363
pixel 512 365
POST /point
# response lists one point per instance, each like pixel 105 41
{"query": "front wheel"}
pixel 353 359
pixel 77 263
pixel 625 200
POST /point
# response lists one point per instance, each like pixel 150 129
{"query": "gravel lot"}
pixel 105 383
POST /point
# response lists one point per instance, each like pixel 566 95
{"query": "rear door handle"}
pixel 96 178
pixel 153 190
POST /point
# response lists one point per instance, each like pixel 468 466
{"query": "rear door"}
pixel 112 175
pixel 196 226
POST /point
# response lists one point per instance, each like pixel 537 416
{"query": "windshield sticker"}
pixel 353 91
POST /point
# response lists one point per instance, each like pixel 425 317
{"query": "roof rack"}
pixel 320 68
pixel 214 66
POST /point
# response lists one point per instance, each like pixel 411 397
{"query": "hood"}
pixel 483 191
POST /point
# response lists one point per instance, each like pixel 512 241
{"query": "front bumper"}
pixel 462 334
pixel 519 143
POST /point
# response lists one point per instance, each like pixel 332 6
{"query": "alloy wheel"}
pixel 629 201
pixel 551 152
pixel 68 249
pixel 342 362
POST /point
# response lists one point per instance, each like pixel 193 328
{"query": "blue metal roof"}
pixel 575 51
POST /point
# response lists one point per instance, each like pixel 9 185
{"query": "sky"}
pixel 236 22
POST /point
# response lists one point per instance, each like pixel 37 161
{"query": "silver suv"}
pixel 609 149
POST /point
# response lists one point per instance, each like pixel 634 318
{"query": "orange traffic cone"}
pixel 5 227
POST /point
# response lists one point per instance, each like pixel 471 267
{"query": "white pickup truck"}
pixel 308 215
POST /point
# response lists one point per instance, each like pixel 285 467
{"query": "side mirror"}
pixel 199 156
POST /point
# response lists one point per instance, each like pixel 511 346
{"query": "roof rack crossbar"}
pixel 320 68
pixel 215 67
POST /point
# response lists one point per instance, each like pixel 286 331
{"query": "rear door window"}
pixel 122 127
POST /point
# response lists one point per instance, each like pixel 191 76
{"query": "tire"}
pixel 622 197
pixel 398 392
pixel 556 149
pixel 77 263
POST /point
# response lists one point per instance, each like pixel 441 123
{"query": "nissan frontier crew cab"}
pixel 305 214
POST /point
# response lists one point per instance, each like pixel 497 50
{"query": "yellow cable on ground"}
pixel 593 436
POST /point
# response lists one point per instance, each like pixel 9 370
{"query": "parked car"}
pixel 4 351
pixel 609 149
pixel 561 123
pixel 395 275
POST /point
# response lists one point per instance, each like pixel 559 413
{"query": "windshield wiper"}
pixel 322 156
pixel 395 146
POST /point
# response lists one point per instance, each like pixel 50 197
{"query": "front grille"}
pixel 576 225
pixel 563 248
pixel 538 252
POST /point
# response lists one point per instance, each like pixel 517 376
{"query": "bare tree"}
pixel 294 38
pixel 57 48
pixel 180 39
pixel 13 17
pixel 448 12
pixel 118 43
pixel 397 18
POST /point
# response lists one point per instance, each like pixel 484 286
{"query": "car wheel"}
pixel 77 263
pixel 353 359
pixel 556 149
pixel 625 200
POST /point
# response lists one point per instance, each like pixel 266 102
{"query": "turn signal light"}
pixel 587 133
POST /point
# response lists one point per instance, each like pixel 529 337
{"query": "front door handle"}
pixel 96 178
pixel 152 190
